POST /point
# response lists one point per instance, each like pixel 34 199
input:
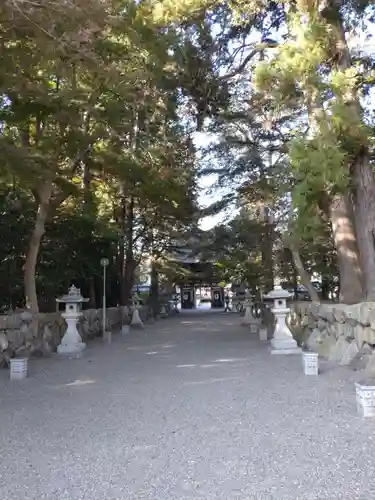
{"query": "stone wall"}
pixel 341 333
pixel 22 334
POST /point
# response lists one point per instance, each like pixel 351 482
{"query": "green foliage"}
pixel 318 167
pixel 91 128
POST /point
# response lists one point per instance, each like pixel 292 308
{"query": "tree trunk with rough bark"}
pixel 361 171
pixel 267 255
pixel 304 275
pixel 290 243
pixel 345 242
pixel 154 290
pixel 92 293
pixel 129 263
pixel 364 218
pixel 44 194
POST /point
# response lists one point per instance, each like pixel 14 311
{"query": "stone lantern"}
pixel 248 319
pixel 283 341
pixel 136 319
pixel 71 343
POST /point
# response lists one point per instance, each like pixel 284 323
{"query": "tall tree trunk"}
pixel 129 263
pixel 267 256
pixel 345 242
pixel 304 275
pixel 361 170
pixel 128 278
pixel 325 287
pixel 121 220
pixel 154 289
pixel 92 293
pixel 267 248
pixel 298 264
pixel 88 200
pixel 290 243
pixel 364 218
pixel 44 194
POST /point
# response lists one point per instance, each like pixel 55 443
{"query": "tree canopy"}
pixel 99 102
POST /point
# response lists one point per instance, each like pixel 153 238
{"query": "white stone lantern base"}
pixel 283 341
pixel 163 312
pixel 365 396
pixel 248 319
pixel 71 343
pixel 136 321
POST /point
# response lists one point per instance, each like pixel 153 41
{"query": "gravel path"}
pixel 192 408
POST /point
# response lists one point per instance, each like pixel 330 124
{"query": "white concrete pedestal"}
pixel 136 319
pixel 283 341
pixel 263 334
pixel 310 363
pixel 71 343
pixel 365 396
pixel 18 368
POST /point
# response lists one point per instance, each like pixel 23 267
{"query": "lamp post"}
pixel 104 263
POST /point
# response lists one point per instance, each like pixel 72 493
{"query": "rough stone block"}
pixel 367 313
pixel 370 367
pixel 339 349
pixel 3 342
pixel 361 359
pixel 16 337
pixel 369 334
pixel 343 330
pixel 359 335
pixel 339 314
pixel 324 348
pixel 305 320
pixel 47 334
pixel 314 338
pixel 349 354
pixel 321 324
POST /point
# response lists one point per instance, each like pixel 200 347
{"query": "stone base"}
pixel 163 312
pixel 125 329
pixel 292 350
pixel 137 325
pixel 254 327
pixel 136 321
pixel 71 350
pixel 285 346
